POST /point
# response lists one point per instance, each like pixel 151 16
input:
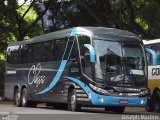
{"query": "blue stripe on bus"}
pixel 73 32
pixel 96 99
pixel 92 52
pixel 154 56
pixel 60 70
pixel 56 78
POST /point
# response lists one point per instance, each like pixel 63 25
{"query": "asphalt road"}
pixel 10 112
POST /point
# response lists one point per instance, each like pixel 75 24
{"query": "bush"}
pixel 2 70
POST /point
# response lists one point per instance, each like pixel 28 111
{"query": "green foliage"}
pixel 30 16
pixel 13 25
pixel 142 23
pixel 139 16
pixel 2 57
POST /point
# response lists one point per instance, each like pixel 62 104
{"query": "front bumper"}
pixel 100 100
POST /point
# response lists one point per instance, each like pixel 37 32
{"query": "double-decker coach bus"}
pixel 82 66
pixel 153 57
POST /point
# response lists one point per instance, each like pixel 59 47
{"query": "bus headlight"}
pixel 98 89
pixel 101 100
pixel 89 95
pixel 142 101
pixel 144 92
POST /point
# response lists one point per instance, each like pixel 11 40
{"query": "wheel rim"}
pixel 73 99
pixel 17 97
pixel 23 99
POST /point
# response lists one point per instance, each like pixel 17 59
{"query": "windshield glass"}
pixel 119 63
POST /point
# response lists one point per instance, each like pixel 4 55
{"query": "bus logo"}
pixel 34 76
pixel 74 70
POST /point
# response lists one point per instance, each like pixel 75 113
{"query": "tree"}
pixel 137 16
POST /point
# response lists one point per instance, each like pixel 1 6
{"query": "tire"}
pixel 156 104
pixel 72 101
pixel 117 110
pixel 149 107
pixel 25 102
pixel 17 98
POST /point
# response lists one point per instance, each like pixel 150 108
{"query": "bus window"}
pixel 87 64
pixel 84 57
pixel 69 46
pixel 35 51
pixel 46 51
pixel 73 55
pixel 109 57
pixel 13 54
pixel 156 48
pixel 24 53
pixel 149 61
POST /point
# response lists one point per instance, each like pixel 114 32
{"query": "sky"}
pixel 21 1
pixel 45 17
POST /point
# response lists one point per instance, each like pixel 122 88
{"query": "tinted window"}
pixel 24 54
pixel 84 54
pixel 52 50
pixel 48 51
pixel 13 54
pixel 156 48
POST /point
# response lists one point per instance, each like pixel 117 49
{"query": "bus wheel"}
pixel 24 98
pixel 72 101
pixel 156 105
pixel 25 102
pixel 119 110
pixel 17 98
pixel 149 107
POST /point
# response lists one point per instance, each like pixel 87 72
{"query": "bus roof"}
pixel 149 42
pixel 98 33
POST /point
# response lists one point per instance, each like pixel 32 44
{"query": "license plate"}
pixel 123 101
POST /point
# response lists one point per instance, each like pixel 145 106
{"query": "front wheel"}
pixel 156 104
pixel 72 101
pixel 149 107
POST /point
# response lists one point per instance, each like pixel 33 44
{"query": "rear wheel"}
pixel 17 98
pixel 156 104
pixel 72 101
pixel 25 102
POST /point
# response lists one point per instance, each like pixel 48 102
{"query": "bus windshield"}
pixel 119 63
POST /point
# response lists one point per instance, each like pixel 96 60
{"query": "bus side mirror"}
pixel 154 56
pixel 91 53
pixel 87 55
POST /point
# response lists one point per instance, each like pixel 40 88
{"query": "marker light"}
pixel 142 101
pixel 89 95
pixel 101 100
